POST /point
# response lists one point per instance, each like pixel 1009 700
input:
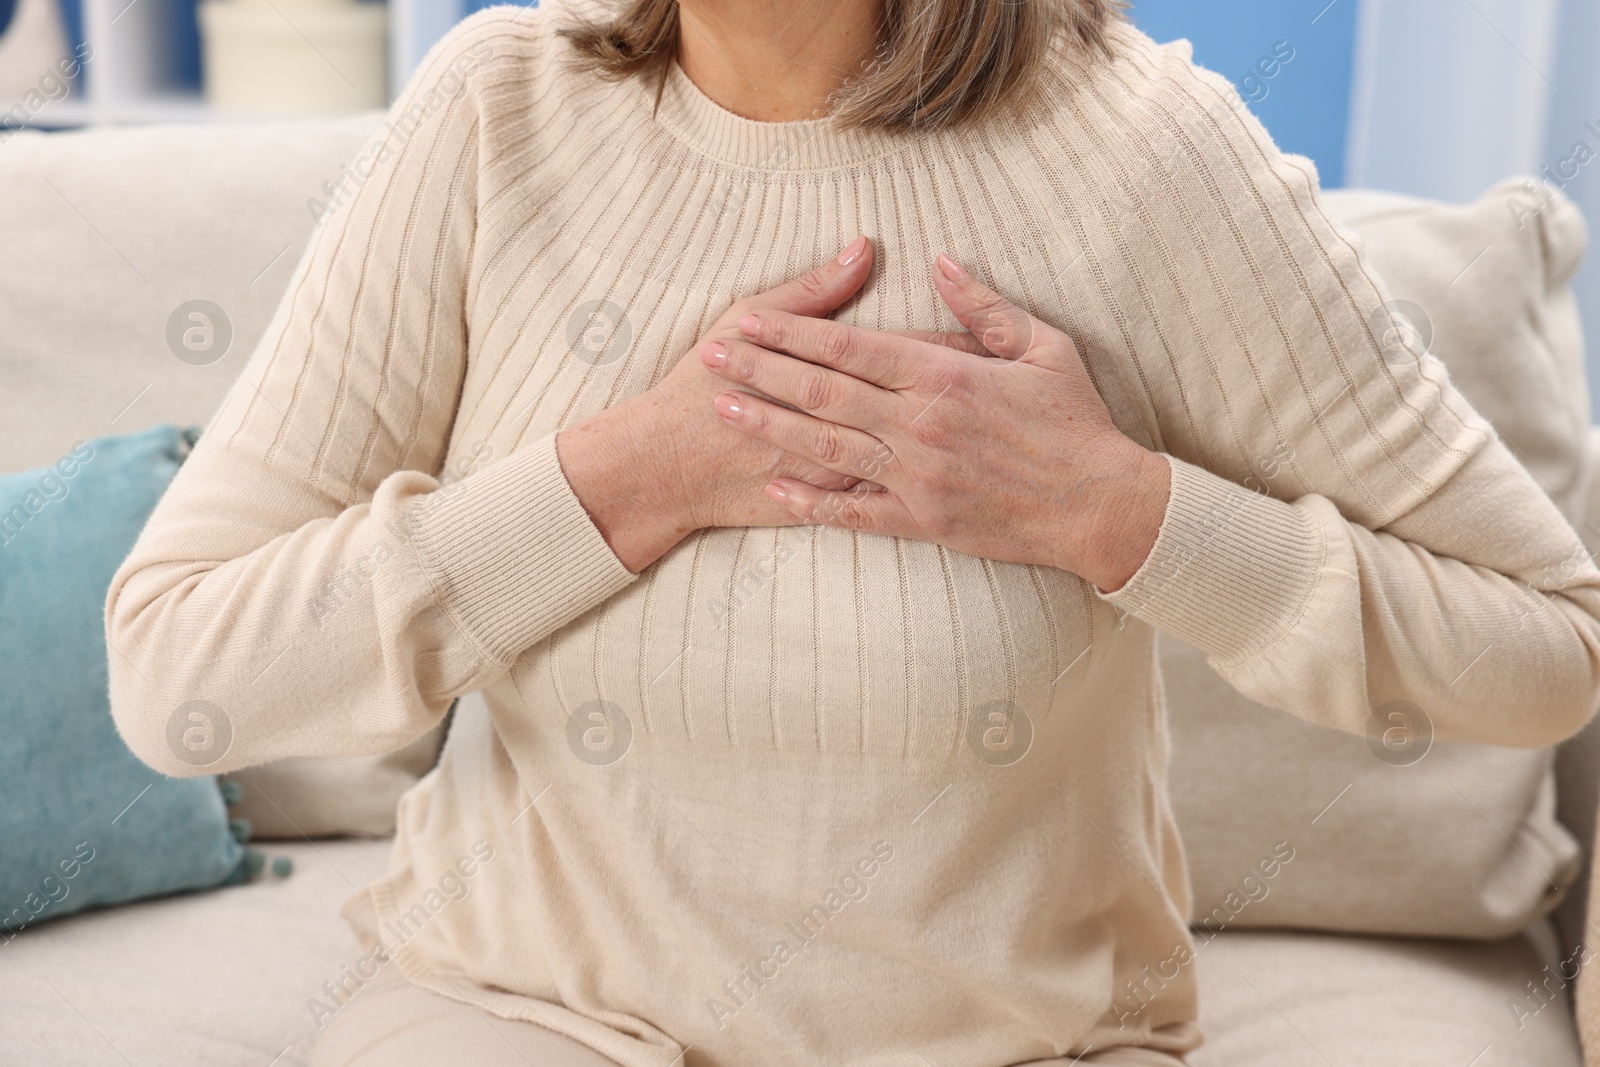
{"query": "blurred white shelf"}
pixel 131 77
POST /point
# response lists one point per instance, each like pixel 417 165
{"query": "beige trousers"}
pixel 391 1022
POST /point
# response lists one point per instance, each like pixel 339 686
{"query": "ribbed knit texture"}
pixel 801 796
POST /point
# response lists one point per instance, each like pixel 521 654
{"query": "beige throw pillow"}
pixel 331 796
pixel 1464 841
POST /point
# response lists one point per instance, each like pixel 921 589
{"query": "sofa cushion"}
pixel 1578 782
pixel 1312 1000
pixel 224 980
pixel 110 241
pixel 1452 840
pixel 207 980
pixel 82 821
pixel 108 233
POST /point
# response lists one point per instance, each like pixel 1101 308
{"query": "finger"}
pixel 851 509
pixel 819 291
pixel 1003 328
pixel 827 444
pixel 957 339
pixel 819 390
pixel 873 356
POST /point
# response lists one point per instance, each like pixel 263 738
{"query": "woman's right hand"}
pixel 663 464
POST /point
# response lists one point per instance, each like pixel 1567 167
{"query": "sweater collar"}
pixel 714 131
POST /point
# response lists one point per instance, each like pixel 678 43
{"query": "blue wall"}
pixel 1305 103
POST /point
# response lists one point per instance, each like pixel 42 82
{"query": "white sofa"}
pixel 102 235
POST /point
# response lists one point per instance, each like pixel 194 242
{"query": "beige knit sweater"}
pixel 800 797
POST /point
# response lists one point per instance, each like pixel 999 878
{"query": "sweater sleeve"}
pixel 1346 536
pixel 312 583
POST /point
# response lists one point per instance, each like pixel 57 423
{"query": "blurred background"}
pixel 1436 98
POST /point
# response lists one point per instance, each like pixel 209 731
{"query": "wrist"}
pixel 622 467
pixel 1126 516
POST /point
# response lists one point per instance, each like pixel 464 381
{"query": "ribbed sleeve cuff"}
pixel 1231 570
pixel 512 552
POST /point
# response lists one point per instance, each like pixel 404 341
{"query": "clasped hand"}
pixel 993 442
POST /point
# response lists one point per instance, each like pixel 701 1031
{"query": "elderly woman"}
pixel 650 374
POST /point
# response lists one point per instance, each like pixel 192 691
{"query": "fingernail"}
pixel 714 354
pixel 778 490
pixel 853 251
pixel 750 324
pixel 950 268
pixel 728 406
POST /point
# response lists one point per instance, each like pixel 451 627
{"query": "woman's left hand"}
pixel 992 442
